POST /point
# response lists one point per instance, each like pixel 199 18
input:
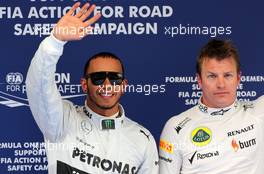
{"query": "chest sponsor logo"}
pixel 240 131
pixel 201 156
pixel 182 124
pixel 85 143
pixel 201 136
pixel 166 146
pixel 86 126
pixel 236 145
pixel 103 164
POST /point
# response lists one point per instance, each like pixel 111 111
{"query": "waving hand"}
pixel 74 27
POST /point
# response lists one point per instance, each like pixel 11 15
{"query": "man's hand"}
pixel 75 27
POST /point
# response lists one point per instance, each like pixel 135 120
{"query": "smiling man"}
pixel 97 137
pixel 103 81
pixel 220 134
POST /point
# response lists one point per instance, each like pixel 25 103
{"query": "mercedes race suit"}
pixel 215 141
pixel 79 140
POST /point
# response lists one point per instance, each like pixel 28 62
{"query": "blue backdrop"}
pixel 158 42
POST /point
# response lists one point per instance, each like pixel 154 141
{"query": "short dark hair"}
pixel 102 55
pixel 219 50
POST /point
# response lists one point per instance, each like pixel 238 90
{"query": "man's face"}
pixel 218 81
pixel 103 97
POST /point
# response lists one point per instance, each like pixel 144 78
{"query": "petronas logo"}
pixel 201 136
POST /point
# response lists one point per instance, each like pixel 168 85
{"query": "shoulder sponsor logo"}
pixel 182 124
pixel 178 128
pixel 201 136
pixel 240 131
pixel 166 146
pixel 13 89
pixel 201 156
pixel 243 144
pixel 248 106
pixel 143 132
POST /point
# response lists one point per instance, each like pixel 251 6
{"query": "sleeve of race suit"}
pixel 150 164
pixel 170 158
pixel 44 99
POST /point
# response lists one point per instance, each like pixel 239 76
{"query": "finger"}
pixel 88 12
pixel 73 8
pixel 82 10
pixel 88 30
pixel 85 31
pixel 92 20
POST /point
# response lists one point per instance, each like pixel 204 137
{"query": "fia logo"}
pixel 9 92
pixel 14 78
pixel 13 89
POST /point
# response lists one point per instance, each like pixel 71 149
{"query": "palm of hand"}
pixel 75 27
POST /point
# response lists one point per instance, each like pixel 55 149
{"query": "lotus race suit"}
pixel 79 140
pixel 206 140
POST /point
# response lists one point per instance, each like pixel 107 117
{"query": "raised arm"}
pixel 45 101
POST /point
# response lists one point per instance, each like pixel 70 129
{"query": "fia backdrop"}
pixel 158 42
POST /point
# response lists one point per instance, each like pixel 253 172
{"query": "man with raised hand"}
pixel 95 138
pixel 220 135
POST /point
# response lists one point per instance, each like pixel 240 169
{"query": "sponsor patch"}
pixel 86 126
pixel 166 146
pixel 236 145
pixel 201 136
